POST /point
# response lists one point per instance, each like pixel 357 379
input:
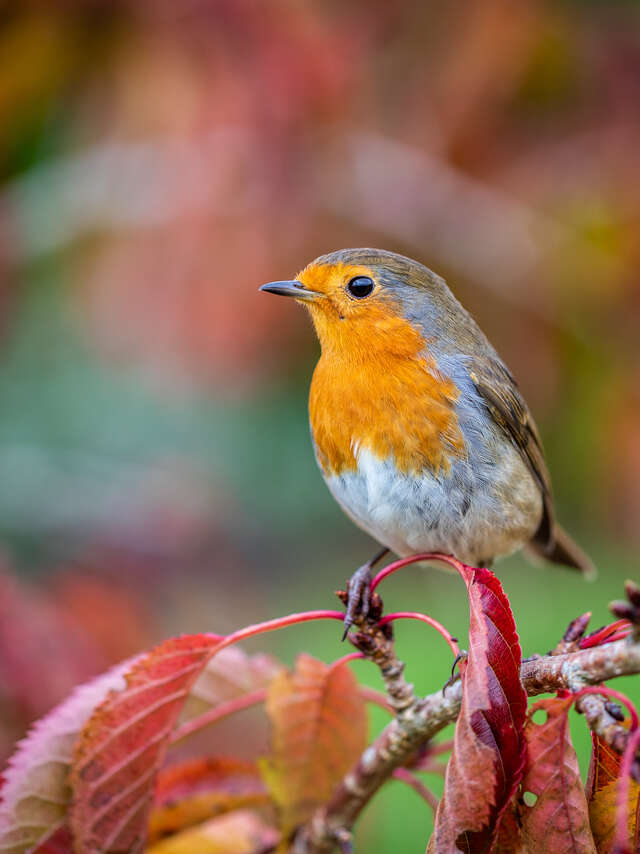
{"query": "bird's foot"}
pixel 460 657
pixel 358 597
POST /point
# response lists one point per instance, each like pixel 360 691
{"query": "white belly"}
pixel 476 512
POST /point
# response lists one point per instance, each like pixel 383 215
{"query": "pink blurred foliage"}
pixel 52 638
pixel 212 146
pixel 245 87
pixel 202 321
pixel 621 463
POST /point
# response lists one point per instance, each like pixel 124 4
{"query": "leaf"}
pixel 36 793
pixel 509 837
pixel 193 791
pixel 122 746
pixel 240 832
pixel 229 674
pixel 602 817
pixel 604 765
pixel 558 820
pixel 488 750
pixel 59 842
pixel 319 731
pixel 602 790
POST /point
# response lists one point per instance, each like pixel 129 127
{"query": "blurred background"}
pixel 158 162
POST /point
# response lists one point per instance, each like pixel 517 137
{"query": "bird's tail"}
pixel 562 549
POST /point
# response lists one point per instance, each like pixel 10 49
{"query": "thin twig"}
pixel 375 641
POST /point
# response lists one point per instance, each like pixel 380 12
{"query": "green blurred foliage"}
pixel 158 161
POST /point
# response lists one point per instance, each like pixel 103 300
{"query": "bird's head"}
pixel 365 300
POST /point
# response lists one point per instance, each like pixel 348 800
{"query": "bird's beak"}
pixel 291 289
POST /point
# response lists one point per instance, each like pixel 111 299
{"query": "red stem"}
pixel 216 714
pixel 440 747
pixel 622 795
pixel 417 785
pixel 376 697
pixel 432 767
pixel 616 695
pixel 351 656
pixel 424 618
pixel 223 710
pixel 239 703
pixel 405 561
pixel 272 625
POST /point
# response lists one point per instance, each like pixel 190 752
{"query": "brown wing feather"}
pixel 509 410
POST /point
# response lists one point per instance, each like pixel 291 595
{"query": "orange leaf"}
pixel 319 731
pixel 602 791
pixel 488 750
pixel 558 821
pixel 602 816
pixel 193 791
pixel 604 766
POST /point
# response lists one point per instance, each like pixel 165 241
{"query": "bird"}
pixel 419 428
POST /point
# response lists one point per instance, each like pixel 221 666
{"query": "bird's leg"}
pixel 358 590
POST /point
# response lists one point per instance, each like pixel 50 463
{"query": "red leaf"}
pixel 488 752
pixel 35 793
pixel 509 836
pixel 123 744
pixel 60 842
pixel 558 820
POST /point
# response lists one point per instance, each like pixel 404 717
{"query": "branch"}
pixel 424 718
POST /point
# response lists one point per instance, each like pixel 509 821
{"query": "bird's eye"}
pixel 360 287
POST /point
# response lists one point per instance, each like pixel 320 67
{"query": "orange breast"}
pixel 381 392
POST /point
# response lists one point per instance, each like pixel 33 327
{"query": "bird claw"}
pixel 359 597
pixel 461 656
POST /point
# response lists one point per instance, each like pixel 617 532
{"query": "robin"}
pixel 418 426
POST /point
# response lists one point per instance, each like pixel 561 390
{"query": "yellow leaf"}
pixel 602 815
pixel 240 832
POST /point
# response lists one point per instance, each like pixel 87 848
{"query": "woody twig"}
pixel 420 719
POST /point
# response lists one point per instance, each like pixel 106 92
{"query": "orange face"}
pixel 353 326
pixel 331 282
pixel 375 367
pixel 376 386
